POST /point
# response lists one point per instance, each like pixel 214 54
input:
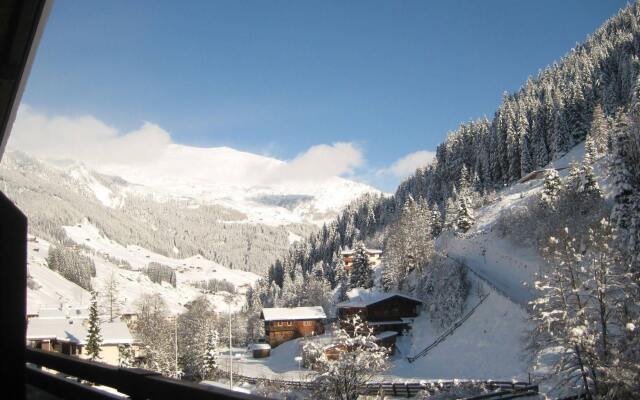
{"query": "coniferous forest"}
pixel 588 294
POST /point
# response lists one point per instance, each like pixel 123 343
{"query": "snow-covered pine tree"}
pixel 623 184
pixel 589 184
pixel 526 164
pixel 210 359
pixel 599 131
pixel 550 189
pixel 342 279
pixel 361 272
pixel 436 222
pixel 465 218
pixel 94 339
pixel 451 210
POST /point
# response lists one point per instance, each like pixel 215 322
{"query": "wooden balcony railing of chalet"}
pixel 134 382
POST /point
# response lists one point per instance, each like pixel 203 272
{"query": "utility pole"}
pixel 176 345
pixel 230 350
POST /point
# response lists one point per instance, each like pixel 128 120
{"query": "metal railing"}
pixel 74 378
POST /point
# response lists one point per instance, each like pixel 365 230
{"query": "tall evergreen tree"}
pixel 210 357
pixel 465 218
pixel 94 339
pixel 599 131
pixel 361 272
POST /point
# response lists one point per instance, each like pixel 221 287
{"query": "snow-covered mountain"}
pixel 253 184
pixel 208 214
pixel 187 202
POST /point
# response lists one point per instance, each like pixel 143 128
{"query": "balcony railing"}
pixel 134 382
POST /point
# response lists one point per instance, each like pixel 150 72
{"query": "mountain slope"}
pixel 255 185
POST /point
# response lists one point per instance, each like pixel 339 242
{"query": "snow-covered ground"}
pixel 52 290
pixel 188 270
pixel 492 343
pixel 489 345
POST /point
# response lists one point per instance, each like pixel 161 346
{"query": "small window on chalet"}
pixel 289 323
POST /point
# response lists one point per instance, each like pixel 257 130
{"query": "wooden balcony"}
pixel 133 382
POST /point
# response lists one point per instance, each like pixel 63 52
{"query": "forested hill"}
pixel 589 90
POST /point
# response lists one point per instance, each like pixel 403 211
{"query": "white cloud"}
pixel 408 164
pixel 320 162
pixel 85 139
pixel 148 153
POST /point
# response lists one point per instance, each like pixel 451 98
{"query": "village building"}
pixel 69 336
pixel 388 314
pixel 284 324
pixel 260 350
pixel 374 256
pixel 129 317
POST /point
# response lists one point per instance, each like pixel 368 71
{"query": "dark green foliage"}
pixel 94 340
pixel 72 265
pixel 159 273
pixel 361 272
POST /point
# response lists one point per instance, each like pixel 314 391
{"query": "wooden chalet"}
pixel 284 324
pixel 382 311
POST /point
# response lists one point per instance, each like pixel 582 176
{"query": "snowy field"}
pixel 489 345
pixel 53 290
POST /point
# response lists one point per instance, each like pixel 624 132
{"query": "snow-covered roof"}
pixel 57 313
pixel 260 346
pixel 365 298
pixel 74 331
pixel 386 335
pixel 65 330
pixel 116 333
pixel 294 313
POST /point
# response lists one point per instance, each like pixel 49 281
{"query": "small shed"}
pixel 260 350
pixel 387 339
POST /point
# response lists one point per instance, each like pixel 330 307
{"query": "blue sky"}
pixel 277 77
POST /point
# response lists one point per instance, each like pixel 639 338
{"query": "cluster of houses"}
pixel 64 330
pixel 387 314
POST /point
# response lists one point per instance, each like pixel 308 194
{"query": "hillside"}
pixel 48 289
pixel 575 128
pixel 197 218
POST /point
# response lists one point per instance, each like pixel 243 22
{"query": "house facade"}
pixel 373 254
pixel 384 312
pixel 69 336
pixel 283 324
